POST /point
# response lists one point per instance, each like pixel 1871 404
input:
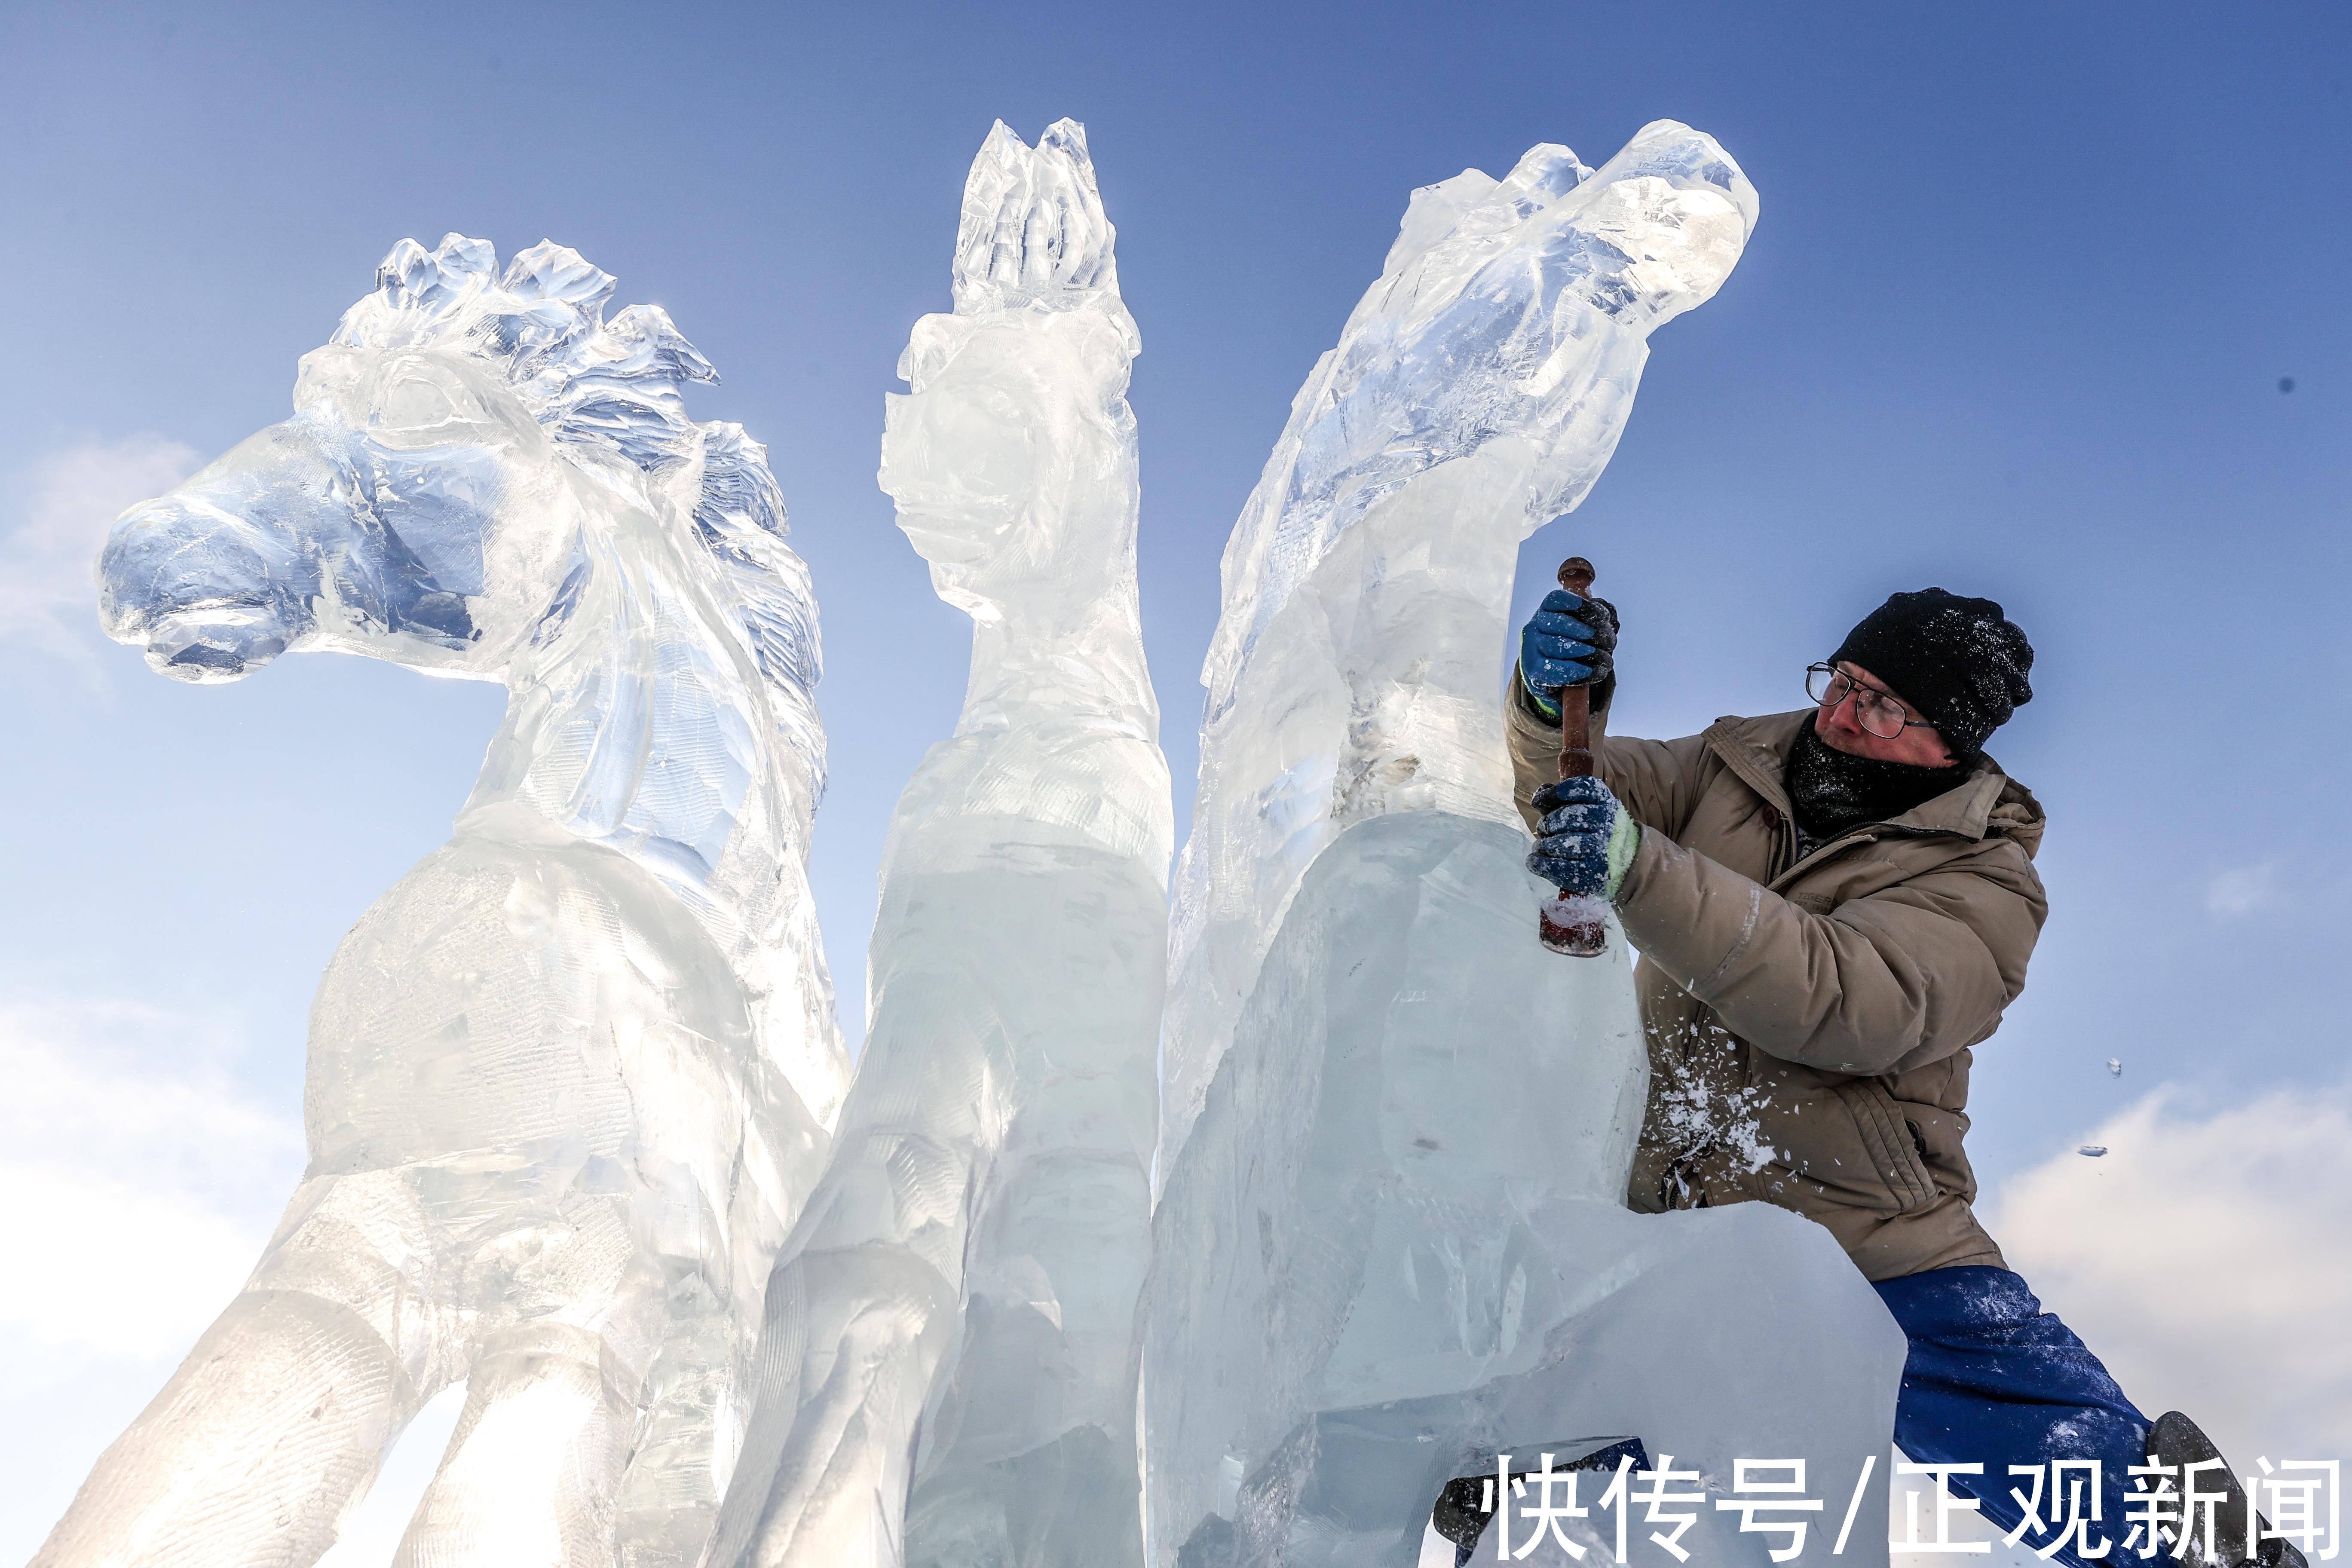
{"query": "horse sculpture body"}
pixel 571 1078
pixel 944 1376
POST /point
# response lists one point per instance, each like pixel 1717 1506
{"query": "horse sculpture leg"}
pixel 275 1424
pixel 854 1335
pixel 531 1474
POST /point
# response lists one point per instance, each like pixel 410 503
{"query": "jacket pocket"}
pixel 1887 1139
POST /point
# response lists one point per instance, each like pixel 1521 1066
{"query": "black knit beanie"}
pixel 1959 661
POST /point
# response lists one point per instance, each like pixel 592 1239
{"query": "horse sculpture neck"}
pixel 1085 659
pixel 637 720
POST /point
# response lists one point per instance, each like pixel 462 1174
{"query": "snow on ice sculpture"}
pixel 570 1079
pixel 1391 1243
pixel 946 1360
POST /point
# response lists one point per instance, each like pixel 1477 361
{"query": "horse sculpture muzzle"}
pixel 210 595
pixel 285 540
pixel 223 575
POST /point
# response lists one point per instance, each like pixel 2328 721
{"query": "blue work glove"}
pixel 1566 642
pixel 1585 841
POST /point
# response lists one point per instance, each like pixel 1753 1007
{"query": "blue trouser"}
pixel 1993 1377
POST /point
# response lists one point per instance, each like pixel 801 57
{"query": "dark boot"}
pixel 2176 1440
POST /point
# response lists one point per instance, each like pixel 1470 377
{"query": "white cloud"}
pixel 2242 889
pixel 142 1182
pixel 2208 1261
pixel 49 561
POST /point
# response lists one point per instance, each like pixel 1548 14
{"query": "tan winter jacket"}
pixel 1809 1021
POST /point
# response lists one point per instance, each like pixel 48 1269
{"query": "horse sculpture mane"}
pixel 613 385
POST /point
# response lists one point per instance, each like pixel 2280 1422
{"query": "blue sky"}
pixel 2027 286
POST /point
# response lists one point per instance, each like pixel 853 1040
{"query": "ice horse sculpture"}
pixel 1391 1244
pixel 945 1374
pixel 571 1077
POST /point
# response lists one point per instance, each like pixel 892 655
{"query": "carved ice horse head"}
pixel 422 502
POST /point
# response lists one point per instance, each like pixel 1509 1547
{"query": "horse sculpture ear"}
pixel 415 286
pixel 429 278
pixel 552 271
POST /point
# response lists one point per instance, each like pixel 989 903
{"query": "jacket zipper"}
pixel 1862 832
pixel 1784 841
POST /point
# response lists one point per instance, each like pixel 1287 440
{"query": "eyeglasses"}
pixel 1877 713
